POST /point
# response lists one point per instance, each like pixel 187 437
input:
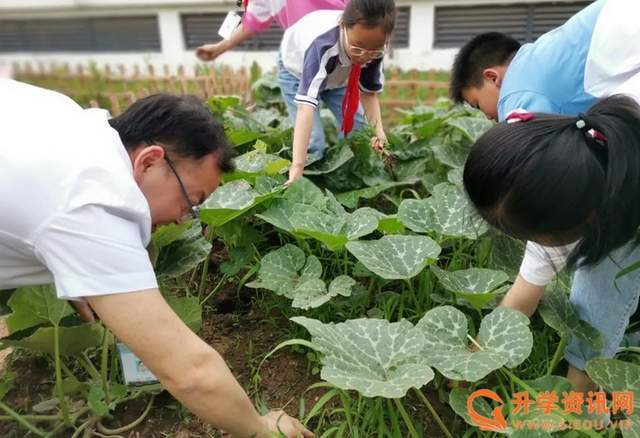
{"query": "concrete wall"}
pixel 420 54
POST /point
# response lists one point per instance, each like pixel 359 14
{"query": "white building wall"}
pixel 420 54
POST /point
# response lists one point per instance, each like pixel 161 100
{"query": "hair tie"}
pixel 519 115
pixel 582 123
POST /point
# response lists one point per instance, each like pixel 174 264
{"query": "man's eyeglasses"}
pixel 360 52
pixel 193 210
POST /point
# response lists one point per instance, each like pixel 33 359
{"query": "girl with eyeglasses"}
pixel 335 57
pixel 571 184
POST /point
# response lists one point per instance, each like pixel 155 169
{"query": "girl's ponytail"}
pixel 556 179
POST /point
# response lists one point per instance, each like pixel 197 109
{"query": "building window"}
pixel 401 31
pixel 201 29
pixel 455 25
pixel 104 34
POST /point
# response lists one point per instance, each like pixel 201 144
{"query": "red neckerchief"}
pixel 351 99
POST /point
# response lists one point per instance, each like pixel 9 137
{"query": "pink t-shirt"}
pixel 261 13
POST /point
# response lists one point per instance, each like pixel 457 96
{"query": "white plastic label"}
pixel 134 371
pixel 229 24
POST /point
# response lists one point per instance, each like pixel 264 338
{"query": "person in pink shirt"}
pixel 258 18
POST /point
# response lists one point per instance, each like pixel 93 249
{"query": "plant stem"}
pixel 435 415
pixel 557 356
pixel 205 268
pixel 20 419
pixel 103 429
pixel 81 428
pixel 88 367
pixel 215 289
pixel 104 365
pixel 34 418
pixel 405 417
pixel 58 369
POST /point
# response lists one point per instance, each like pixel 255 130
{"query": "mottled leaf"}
pixel 446 212
pixel 372 356
pixel 183 255
pixel 471 127
pixel 477 286
pixel 395 257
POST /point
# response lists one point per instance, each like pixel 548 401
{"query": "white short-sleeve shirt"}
pixel 70 210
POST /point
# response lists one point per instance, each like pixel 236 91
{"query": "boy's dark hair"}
pixel 370 13
pixel 549 177
pixel 180 123
pixel 482 51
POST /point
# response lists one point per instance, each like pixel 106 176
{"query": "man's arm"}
pixel 185 365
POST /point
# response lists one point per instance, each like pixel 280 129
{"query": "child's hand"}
pixel 209 52
pixel 379 141
pixel 295 172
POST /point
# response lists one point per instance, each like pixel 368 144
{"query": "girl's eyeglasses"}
pixel 360 52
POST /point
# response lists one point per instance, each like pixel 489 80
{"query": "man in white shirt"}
pixel 80 194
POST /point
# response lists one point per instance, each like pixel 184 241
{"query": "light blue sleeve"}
pixel 528 101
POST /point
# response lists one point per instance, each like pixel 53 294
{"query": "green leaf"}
pixel 6 382
pixel 372 356
pixel 477 286
pixel 188 309
pixel 458 402
pixel 183 255
pixel 614 375
pixel 471 127
pixel 390 225
pixel 342 285
pixel 73 340
pixel 558 313
pixel 395 257
pixel 350 199
pixel 96 401
pixel 454 176
pixel 36 305
pixel 240 258
pixel 446 212
pixel 239 137
pixel 504 336
pixel 286 268
pixel 167 234
pixel 333 159
pixel 310 294
pixel 450 155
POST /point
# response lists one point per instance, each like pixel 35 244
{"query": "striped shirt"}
pixel 313 51
pixel 261 13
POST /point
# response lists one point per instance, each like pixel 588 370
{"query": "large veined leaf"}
pixel 36 305
pixel 350 199
pixel 334 230
pixel 558 313
pixel 183 255
pixel 450 154
pixel 504 338
pixel 447 212
pixel 188 309
pixel 73 340
pixel 471 127
pixel 259 162
pixel 333 159
pixel 477 286
pixel 313 293
pixel 286 268
pixel 167 234
pixel 396 257
pixel 231 201
pixel 372 356
pixel 302 196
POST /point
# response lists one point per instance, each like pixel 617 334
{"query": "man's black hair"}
pixel 182 124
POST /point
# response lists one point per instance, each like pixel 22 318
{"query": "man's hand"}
pixel 209 52
pixel 279 421
pixel 84 310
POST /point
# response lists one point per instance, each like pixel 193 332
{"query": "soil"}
pixel 243 336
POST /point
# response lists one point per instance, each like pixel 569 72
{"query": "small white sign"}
pixel 134 371
pixel 229 24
